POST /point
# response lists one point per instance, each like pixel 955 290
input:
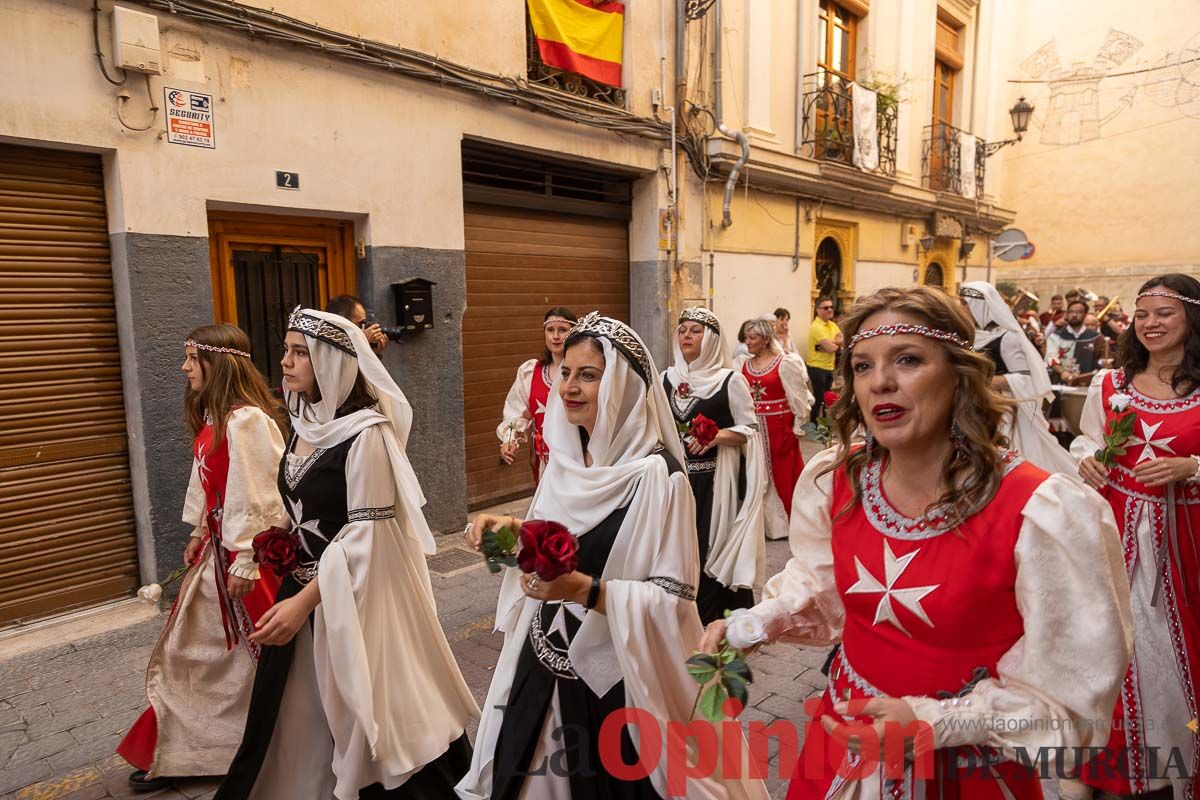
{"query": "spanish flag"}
pixel 580 36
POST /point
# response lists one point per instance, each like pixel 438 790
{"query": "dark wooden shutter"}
pixel 520 263
pixel 67 529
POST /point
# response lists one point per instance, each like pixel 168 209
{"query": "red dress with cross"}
pixel 238 617
pixel 915 595
pixel 539 397
pixel 777 423
pixel 1168 520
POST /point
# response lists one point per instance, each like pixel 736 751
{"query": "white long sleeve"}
pixel 801 603
pixel 1092 420
pixel 252 502
pixel 1066 669
pixel 516 417
pixel 794 376
pixel 194 502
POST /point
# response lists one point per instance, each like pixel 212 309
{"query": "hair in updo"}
pixel 972 476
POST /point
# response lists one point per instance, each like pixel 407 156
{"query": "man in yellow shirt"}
pixel 824 342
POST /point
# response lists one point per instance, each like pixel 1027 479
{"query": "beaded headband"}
pixel 320 329
pixel 1168 293
pixel 620 335
pixel 966 291
pixel 900 329
pixel 552 320
pixel 214 349
pixel 703 316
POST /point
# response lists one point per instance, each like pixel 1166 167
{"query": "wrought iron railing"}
pixel 941 159
pixel 540 73
pixel 829 124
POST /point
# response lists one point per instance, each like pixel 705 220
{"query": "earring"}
pixel 959 438
pixel 870 446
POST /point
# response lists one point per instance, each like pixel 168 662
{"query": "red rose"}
pixel 831 398
pixel 683 390
pixel 703 430
pixel 278 549
pixel 547 549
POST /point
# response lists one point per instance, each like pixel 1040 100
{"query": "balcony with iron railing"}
pixel 828 133
pixel 941 159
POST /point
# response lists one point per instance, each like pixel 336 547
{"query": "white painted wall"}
pixel 747 286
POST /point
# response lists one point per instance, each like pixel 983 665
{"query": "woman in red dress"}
pixel 525 405
pixel 779 384
pixel 980 601
pixel 1154 489
pixel 201 670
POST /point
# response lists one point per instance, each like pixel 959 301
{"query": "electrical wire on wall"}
pixel 99 52
pixel 123 97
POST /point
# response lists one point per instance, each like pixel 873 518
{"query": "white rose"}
pixel 1119 402
pixel 744 629
pixel 151 593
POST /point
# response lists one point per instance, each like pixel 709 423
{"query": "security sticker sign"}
pixel 190 118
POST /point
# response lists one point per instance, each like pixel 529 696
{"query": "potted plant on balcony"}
pixel 832 143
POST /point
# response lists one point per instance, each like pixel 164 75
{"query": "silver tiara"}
pixel 900 329
pixel 966 291
pixel 214 349
pixel 703 316
pixel 320 329
pixel 1168 293
pixel 620 335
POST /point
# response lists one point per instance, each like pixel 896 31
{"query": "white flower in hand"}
pixel 151 593
pixel 744 630
pixel 1119 401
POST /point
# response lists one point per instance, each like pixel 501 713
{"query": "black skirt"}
pixel 713 598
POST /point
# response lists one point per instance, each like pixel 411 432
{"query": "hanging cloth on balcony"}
pixel 966 160
pixel 580 36
pixel 866 132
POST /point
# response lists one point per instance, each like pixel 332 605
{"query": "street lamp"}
pixel 1020 113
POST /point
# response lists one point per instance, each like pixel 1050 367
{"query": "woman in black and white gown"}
pixel 728 477
pixel 357 693
pixel 615 633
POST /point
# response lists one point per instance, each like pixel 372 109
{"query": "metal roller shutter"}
pixel 520 263
pixel 67 529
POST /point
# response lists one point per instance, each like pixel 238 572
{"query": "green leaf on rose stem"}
pixel 702 667
pixel 739 668
pixel 492 566
pixel 735 687
pixel 1118 451
pixel 1098 455
pixel 506 539
pixel 726 655
pixel 711 700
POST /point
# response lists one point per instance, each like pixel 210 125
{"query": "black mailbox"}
pixel 414 304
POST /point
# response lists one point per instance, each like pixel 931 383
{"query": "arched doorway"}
pixel 934 275
pixel 827 272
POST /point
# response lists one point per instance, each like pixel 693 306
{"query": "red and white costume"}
pixel 201 670
pixel 1018 615
pixel 525 411
pixel 781 402
pixel 1160 535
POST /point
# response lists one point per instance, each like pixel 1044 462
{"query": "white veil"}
pixel 706 374
pixel 991 308
pixel 339 351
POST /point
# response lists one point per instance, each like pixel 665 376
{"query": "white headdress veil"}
pixel 707 372
pixel 991 309
pixel 339 351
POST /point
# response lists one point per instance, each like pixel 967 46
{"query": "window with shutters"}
pixel 943 139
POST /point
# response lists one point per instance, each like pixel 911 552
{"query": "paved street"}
pixel 64 708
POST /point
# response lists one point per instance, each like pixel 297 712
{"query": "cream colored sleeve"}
pixel 194 502
pixel 252 502
pixel 794 375
pixel 1091 421
pixel 801 603
pixel 1055 687
pixel 516 405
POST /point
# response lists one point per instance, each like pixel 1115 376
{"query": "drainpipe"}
pixel 736 135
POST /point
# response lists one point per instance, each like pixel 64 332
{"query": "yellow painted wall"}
pixel 1120 193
